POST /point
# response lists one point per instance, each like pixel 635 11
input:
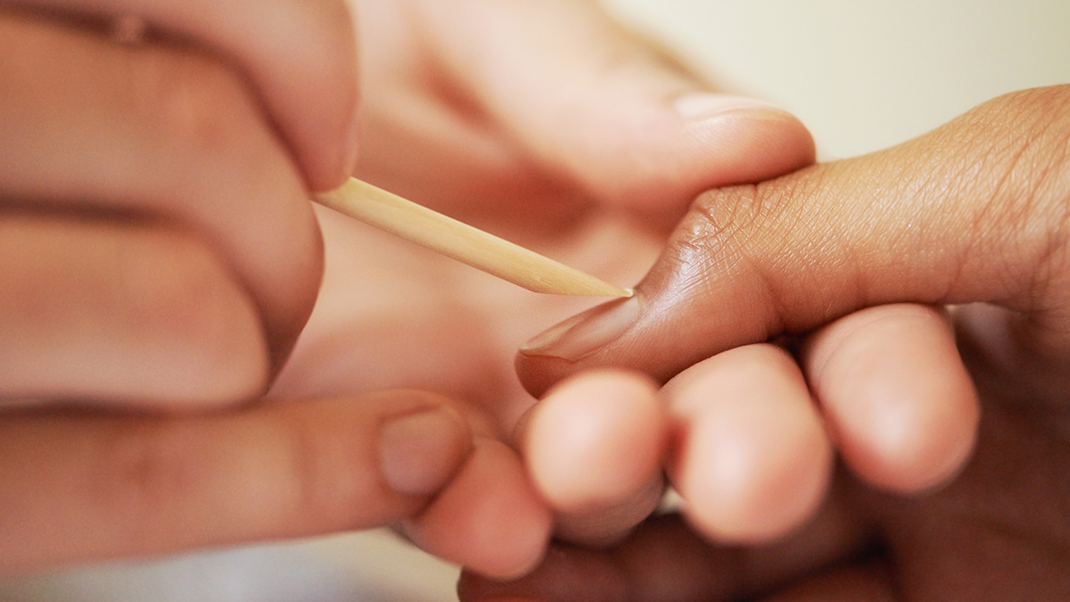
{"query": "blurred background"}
pixel 863 75
pixel 867 74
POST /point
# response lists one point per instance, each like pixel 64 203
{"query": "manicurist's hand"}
pixel 159 258
pixel 156 154
pixel 854 264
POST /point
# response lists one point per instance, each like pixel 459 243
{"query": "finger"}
pixel 134 314
pixel 94 126
pixel 299 55
pixel 895 394
pixel 971 212
pixel 605 109
pixel 751 458
pixel 89 486
pixel 593 448
pixel 489 519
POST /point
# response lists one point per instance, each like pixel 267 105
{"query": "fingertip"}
pixel 742 142
pixel 708 140
pixel 916 449
pixel 751 458
pixel 327 152
pixel 751 144
pixel 895 392
pixel 309 81
pixel 594 447
pixel 596 439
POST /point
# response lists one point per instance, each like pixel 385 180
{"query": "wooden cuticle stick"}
pixel 469 245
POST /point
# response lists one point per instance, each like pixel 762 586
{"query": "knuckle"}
pixel 730 228
pixel 192 102
pixel 1011 174
pixel 722 217
pixel 747 239
pixel 753 221
pixel 211 341
pixel 147 470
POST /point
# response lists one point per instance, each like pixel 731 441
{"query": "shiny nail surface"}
pixel 585 333
pixel 703 106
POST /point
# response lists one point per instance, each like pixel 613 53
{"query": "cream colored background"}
pixel 866 74
pixel 863 75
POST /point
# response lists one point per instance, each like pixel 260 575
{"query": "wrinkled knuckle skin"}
pixel 729 269
pixel 1015 176
pixel 720 216
pixel 716 236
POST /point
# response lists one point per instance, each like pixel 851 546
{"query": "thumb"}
pixel 606 110
pixel 975 211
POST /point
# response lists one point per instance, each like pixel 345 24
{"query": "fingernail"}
pixel 585 333
pixel 419 452
pixel 703 106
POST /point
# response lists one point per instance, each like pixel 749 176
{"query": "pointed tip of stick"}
pixel 464 243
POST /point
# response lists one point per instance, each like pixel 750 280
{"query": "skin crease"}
pixel 974 214
pixel 189 149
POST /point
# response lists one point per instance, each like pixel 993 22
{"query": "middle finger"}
pixel 751 458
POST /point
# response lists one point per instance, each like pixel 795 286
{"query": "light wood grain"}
pixel 445 235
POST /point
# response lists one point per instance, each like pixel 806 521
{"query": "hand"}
pixel 165 140
pixel 160 257
pixel 525 151
pixel 974 215
pixel 546 106
pixel 969 213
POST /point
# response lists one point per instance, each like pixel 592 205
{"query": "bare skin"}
pixel 924 291
pixel 162 258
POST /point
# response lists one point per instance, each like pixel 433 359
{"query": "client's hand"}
pixel 160 256
pixel 973 214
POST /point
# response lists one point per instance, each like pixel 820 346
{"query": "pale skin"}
pixel 161 259
pixel 923 292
